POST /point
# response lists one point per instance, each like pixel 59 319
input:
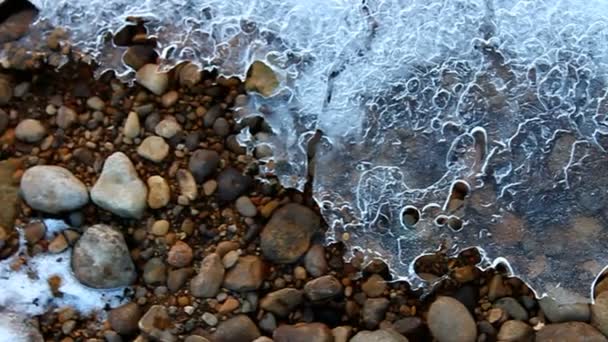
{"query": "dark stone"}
pixel 232 184
pixel 203 163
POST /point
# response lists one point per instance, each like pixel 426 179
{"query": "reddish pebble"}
pixel 180 255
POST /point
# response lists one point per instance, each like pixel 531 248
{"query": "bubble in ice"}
pixel 452 124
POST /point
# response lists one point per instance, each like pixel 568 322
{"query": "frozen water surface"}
pixel 447 124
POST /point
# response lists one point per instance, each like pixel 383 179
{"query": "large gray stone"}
pixel 450 321
pixel 53 189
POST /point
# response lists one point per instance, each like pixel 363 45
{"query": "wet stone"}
pixel 513 308
pixel 101 259
pixel 95 103
pixel 286 237
pixel 209 279
pixel 310 332
pixel 53 189
pixel 515 331
pixel 30 131
pixel 167 128
pixel 151 79
pixel 557 313
pixel 203 163
pixel 189 75
pixel 236 329
pixel 231 184
pixel 315 262
pixel 124 319
pixel 450 321
pixel 322 288
pixel 137 56
pixel 374 286
pixel 569 331
pixel 374 310
pixel 246 275
pixel 282 302
pixel 245 207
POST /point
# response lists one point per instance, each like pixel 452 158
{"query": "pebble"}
pixel 169 98
pixel 177 278
pixel 408 325
pixel 101 259
pixel 230 259
pixel 557 313
pixel 228 306
pixel 569 331
pixel 58 244
pixel 450 321
pixel 496 288
pixel 203 163
pixel 154 149
pixel 30 131
pixel 53 189
pixel 210 319
pixel 245 207
pixel 189 75
pixel 309 332
pixel 209 187
pixel 124 319
pixel 160 227
pixel 4 121
pixel 155 272
pixel 159 192
pixel 195 338
pixel 34 232
pixel 315 261
pixel 378 336
pixel 515 331
pixel 286 237
pixel 156 323
pixel 221 128
pixel 324 287
pixel 96 103
pixel 151 79
pixel 187 184
pixel 342 333
pixel 268 323
pixel 246 275
pixel 180 255
pixel 119 189
pixel 6 91
pixel 261 78
pixel 137 56
pixel 232 184
pixel 513 308
pixel 236 329
pixel 282 302
pixel 66 116
pixel 374 310
pixel 374 286
pixel 599 313
pixel 207 282
pixel 167 128
pixel 132 126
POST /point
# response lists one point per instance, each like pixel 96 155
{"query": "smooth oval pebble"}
pixel 450 321
pixel 53 189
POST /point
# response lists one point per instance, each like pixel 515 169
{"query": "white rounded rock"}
pixel 53 189
pixel 149 77
pixel 154 149
pixel 119 189
pixel 30 131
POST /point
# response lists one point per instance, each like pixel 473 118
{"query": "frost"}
pixel 448 124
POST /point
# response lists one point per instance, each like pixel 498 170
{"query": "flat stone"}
pixel 557 313
pixel 246 275
pixel 151 79
pixel 374 310
pixel 101 259
pixel 515 331
pixel 378 336
pixel 30 131
pixel 119 189
pixel 286 237
pixel 245 207
pixel 203 164
pixel 207 282
pixel 282 302
pixel 239 328
pixel 569 331
pixel 159 193
pixel 231 184
pixel 450 321
pixel 132 126
pixel 169 98
pixel 154 149
pixel 124 319
pixel 303 332
pixel 53 189
pixel 324 287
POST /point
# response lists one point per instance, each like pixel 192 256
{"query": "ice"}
pixel 27 290
pixel 414 97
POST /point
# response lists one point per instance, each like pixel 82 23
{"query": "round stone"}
pixel 53 189
pixel 30 131
pixel 154 149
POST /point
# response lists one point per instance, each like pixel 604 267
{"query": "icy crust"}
pixel 504 100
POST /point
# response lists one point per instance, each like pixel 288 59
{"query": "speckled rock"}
pixel 450 321
pixel 232 184
pixel 286 237
pixel 119 189
pixel 167 128
pixel 53 189
pixel 246 275
pixel 209 279
pixel 101 259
